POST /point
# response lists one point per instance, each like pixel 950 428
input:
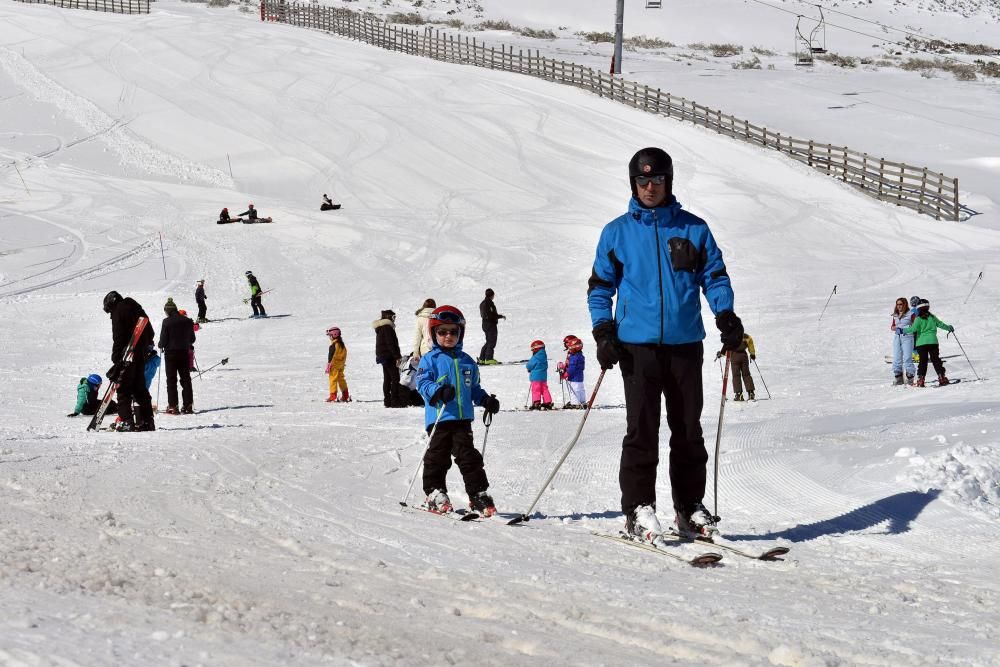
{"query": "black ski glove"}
pixel 608 352
pixel 112 373
pixel 444 394
pixel 753 357
pixel 491 404
pixel 731 328
pixel 73 414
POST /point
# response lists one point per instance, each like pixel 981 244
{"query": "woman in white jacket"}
pixel 421 337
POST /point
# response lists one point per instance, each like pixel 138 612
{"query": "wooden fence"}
pixel 116 6
pixel 918 188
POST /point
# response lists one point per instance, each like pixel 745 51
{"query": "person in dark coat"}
pixel 255 296
pixel 488 312
pixel 125 314
pixel 176 338
pixel 387 354
pixel 328 204
pixel 199 297
pixel 224 218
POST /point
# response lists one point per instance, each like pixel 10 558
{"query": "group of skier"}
pixel 914 329
pixel 650 268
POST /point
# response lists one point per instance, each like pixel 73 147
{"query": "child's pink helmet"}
pixel 333 332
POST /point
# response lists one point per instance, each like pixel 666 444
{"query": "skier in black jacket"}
pixel 125 313
pixel 387 354
pixel 176 339
pixel 199 297
pixel 488 311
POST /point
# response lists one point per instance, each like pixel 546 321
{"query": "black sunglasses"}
pixel 646 180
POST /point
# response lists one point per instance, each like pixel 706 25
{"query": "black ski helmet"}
pixel 651 162
pixel 110 299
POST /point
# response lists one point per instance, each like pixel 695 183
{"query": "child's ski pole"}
pixel 572 443
pixel 421 464
pixel 952 333
pixel 487 421
pixel 761 378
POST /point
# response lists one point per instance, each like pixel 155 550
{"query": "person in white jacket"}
pixel 421 337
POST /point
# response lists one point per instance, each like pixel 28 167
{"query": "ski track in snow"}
pixel 266 529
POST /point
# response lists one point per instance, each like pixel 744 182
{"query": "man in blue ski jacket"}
pixel 654 262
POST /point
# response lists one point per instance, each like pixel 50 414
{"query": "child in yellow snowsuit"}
pixel 336 359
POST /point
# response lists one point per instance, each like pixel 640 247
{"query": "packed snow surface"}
pixel 266 529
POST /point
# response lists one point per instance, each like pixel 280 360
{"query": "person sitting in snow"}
pixel 87 400
pixel 251 216
pixel 328 204
pixel 224 218
pixel 448 380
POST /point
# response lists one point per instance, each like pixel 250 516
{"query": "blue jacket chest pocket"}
pixel 685 256
pixel 467 377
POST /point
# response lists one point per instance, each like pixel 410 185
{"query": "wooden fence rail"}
pixel 116 6
pixel 918 188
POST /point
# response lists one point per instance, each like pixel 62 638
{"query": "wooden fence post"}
pixel 955 200
pixel 902 170
pixel 881 177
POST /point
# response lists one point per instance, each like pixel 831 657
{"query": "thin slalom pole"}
pixel 421 464
pixel 569 448
pixel 221 363
pixel 976 282
pixel 966 356
pixel 718 435
pixel 761 378
pixel 827 302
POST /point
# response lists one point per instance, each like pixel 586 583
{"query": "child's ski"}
pixel 771 554
pixel 456 515
pixel 123 365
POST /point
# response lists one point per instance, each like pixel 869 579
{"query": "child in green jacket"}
pixel 87 400
pixel 924 330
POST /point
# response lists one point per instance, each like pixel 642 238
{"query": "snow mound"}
pixel 967 475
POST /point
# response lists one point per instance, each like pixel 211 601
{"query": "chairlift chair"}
pixel 653 4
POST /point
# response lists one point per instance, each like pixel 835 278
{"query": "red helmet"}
pixel 572 343
pixel 334 332
pixel 446 315
pixel 537 345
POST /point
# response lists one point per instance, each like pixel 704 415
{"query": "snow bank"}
pixel 968 475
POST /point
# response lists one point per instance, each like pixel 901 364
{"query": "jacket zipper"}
pixel 659 273
pixel 458 388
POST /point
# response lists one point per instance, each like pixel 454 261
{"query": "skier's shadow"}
pixel 899 510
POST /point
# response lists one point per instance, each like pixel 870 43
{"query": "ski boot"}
pixel 536 405
pixel 738 396
pixel 751 397
pixel 202 320
pixel 942 380
pixel 482 503
pixel 920 381
pixel 346 398
pixel 124 426
pixel 171 410
pixel 489 362
pixel 909 379
pixel 438 502
pixel 642 525
pixel 332 398
pixel 547 406
pixel 898 380
pixel 697 522
pixel 187 410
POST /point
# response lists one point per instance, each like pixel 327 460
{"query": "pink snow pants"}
pixel 540 391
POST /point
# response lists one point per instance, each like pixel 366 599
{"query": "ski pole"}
pixel 527 395
pixel 421 464
pixel 761 378
pixel 200 373
pixel 572 443
pixel 827 302
pixel 158 368
pixel 487 421
pixel 562 388
pixel 966 356
pixel 718 435
pixel 976 282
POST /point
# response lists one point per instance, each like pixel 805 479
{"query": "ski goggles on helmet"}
pixel 659 179
pixel 448 316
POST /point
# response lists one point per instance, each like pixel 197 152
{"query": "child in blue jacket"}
pixel 538 374
pixel 448 380
pixel 571 371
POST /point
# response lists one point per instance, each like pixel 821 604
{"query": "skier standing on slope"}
pixel 538 376
pixel 740 361
pixel 422 336
pixel 255 296
pixel 902 342
pixel 925 328
pixel 176 339
pixel 655 258
pixel 336 362
pixel 125 313
pixel 572 372
pixel 387 355
pixel 199 297
pixel 448 379
pixel 490 316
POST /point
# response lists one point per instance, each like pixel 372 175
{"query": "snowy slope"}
pixel 266 529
